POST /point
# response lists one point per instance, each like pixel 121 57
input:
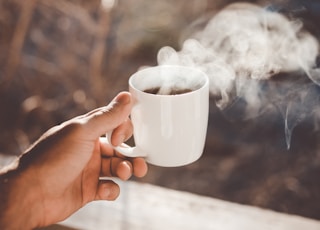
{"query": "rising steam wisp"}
pixel 244 46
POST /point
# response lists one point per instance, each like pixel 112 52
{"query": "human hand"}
pixel 60 173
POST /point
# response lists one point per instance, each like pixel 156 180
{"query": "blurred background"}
pixel 59 59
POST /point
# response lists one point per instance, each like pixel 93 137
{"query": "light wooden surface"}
pixel 143 206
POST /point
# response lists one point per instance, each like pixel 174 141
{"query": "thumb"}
pixel 107 118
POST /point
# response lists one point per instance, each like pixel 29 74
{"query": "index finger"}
pixel 109 117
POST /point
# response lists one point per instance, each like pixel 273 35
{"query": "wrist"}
pixel 19 200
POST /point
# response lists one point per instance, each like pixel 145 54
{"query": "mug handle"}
pixel 125 149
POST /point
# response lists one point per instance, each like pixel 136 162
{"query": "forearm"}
pixel 18 206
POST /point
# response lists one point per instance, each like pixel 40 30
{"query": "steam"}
pixel 246 50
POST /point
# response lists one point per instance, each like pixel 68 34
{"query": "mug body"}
pixel 170 128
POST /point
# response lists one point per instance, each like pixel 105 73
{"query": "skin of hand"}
pixel 60 172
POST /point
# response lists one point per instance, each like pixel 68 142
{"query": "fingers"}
pixel 123 168
pixel 122 133
pixel 104 119
pixel 118 167
pixel 105 148
pixel 140 167
pixel 107 190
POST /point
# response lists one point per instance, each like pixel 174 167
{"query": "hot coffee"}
pixel 174 91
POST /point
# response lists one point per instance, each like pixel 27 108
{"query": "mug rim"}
pixel 204 84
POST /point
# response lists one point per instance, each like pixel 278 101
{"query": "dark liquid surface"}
pixel 172 91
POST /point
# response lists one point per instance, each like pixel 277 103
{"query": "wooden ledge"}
pixel 145 206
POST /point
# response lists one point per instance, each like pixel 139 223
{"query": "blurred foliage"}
pixel 62 58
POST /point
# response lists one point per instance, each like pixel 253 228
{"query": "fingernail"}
pixel 124 170
pixel 111 191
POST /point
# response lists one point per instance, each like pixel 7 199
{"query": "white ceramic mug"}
pixel 169 130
